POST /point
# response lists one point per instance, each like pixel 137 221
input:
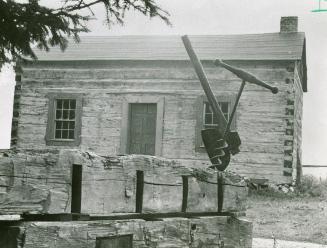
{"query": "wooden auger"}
pixel 220 142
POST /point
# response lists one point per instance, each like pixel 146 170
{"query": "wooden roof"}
pixel 270 46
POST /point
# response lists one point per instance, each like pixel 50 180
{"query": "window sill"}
pixel 67 142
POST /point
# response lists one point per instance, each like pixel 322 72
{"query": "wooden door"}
pixel 142 128
pixel 123 241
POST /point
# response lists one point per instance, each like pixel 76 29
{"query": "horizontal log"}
pixel 109 184
pixel 173 232
pixel 145 73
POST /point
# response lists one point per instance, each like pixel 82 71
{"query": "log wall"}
pixel 173 233
pixel 262 118
pixel 298 115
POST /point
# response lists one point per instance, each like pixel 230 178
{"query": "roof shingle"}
pixel 269 46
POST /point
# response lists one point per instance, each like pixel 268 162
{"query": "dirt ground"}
pixel 295 219
pixel 269 243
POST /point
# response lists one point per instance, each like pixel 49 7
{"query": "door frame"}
pixel 124 132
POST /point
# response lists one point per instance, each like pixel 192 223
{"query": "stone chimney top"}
pixel 288 24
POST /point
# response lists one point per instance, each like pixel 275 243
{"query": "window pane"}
pixel 71 125
pixel 64 134
pixel 207 108
pixel 71 114
pixel 72 104
pixel 58 114
pixel 71 134
pixel 58 125
pixel 65 125
pixel 59 104
pixel 215 121
pixel 58 134
pixel 65 114
pixel 208 119
pixel 66 104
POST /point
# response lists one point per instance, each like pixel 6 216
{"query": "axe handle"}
pixel 222 123
pixel 246 76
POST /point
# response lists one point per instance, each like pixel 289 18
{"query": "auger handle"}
pixel 246 76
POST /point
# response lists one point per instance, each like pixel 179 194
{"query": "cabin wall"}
pixel 298 115
pixel 260 121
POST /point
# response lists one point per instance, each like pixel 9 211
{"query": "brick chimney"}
pixel 288 24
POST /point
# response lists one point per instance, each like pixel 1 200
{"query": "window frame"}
pixel 200 114
pixel 50 131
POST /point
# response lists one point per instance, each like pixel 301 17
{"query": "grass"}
pixel 296 216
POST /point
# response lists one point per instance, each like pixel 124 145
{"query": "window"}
pixel 206 118
pixel 64 119
pixel 209 119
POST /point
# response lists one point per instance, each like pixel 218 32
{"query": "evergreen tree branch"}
pixel 24 25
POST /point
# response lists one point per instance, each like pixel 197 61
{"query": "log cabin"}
pixel 140 95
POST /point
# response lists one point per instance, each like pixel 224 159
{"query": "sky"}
pixel 226 17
